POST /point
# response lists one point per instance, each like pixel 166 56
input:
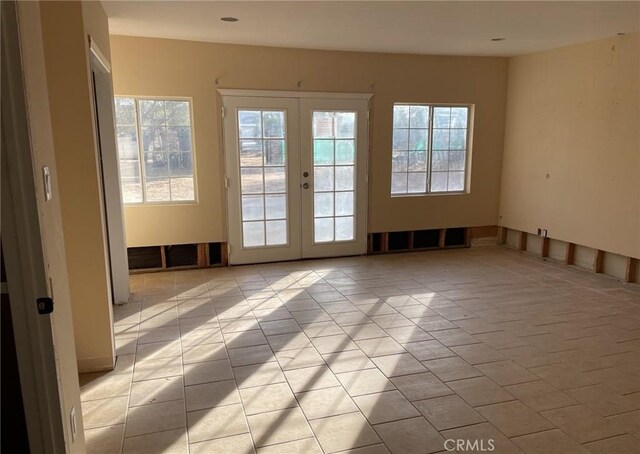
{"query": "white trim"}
pixel 143 177
pixel 108 167
pixel 300 202
pixel 291 94
pixel 98 59
pixel 467 165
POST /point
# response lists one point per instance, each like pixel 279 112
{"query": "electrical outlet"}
pixel 74 427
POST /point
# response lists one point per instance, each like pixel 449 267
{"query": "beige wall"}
pixel 160 67
pixel 574 113
pixel 65 26
pixel 96 24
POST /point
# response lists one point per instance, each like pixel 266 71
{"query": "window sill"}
pixel 429 194
pixel 160 204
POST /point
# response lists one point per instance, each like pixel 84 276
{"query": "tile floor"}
pixel 371 355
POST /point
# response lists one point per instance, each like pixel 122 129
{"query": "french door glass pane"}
pixel 334 145
pixel 263 177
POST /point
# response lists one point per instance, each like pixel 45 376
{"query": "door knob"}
pixel 306 185
pixel 305 174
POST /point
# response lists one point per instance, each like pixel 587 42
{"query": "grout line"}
pixel 574 285
pixel 334 375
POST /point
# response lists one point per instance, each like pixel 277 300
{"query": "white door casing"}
pixel 284 204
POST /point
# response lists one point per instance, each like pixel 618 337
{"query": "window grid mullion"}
pixel 429 151
pixel 143 172
pixel 165 151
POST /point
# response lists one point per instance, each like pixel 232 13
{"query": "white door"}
pixel 334 196
pixel 296 177
pixel 263 184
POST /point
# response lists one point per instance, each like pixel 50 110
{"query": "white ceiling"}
pixel 443 28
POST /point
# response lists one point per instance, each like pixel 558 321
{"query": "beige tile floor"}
pixel 376 354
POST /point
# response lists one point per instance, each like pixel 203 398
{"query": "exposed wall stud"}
pixel 502 235
pixel 441 239
pixel 202 255
pixel 598 261
pixel 570 253
pixel 163 254
pixel 522 241
pixel 544 252
pixel 467 236
pixel 630 271
pixel 224 254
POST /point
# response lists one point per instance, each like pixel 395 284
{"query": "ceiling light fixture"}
pixel 498 39
pixel 229 19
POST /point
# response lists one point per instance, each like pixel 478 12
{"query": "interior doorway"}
pixel 108 175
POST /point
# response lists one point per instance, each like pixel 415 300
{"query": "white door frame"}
pixel 24 255
pixel 109 172
pixel 231 170
pixel 291 94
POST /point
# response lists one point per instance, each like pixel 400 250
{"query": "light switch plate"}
pixel 46 177
pixel 74 427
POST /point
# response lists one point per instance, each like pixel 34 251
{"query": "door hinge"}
pixel 45 305
pixel 226 182
pixel 222 112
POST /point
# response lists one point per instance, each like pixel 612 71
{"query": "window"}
pixel 429 149
pixel 155 150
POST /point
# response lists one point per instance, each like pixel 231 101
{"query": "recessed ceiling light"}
pixel 498 39
pixel 229 19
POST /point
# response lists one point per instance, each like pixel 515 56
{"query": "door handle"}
pixel 306 185
pixel 45 305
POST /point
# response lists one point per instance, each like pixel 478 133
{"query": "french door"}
pixel 296 177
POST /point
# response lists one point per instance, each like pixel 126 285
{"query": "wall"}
pixel 573 114
pixel 68 80
pixel 161 67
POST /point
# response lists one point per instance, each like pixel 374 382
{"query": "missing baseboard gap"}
pixel 598 261
pixel 431 239
pixel 176 257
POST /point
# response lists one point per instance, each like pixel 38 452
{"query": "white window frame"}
pixel 141 169
pixel 467 162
